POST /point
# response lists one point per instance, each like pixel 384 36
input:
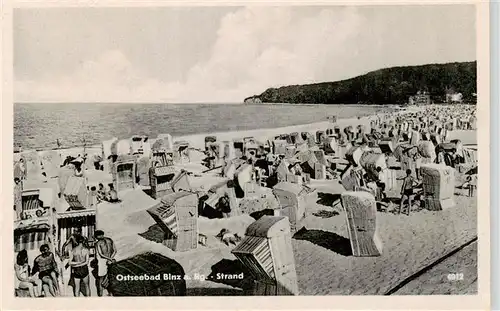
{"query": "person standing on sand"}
pixel 472 180
pixel 79 260
pixel 105 253
pixel 71 242
pixel 440 157
pixel 407 191
pixel 381 178
pixel 22 169
pixel 97 161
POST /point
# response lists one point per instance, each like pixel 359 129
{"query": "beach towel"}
pixel 102 265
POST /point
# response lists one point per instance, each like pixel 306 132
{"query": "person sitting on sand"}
pixel 46 266
pixel 69 159
pixel 23 278
pixel 228 238
pixel 296 169
pixel 224 206
pixel 358 176
pixel 407 191
pixel 440 157
pixel 112 194
pixel 78 172
pixel 101 193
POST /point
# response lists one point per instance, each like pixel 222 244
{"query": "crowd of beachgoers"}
pixel 386 155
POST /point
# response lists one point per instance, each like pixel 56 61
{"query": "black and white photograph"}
pixel 246 150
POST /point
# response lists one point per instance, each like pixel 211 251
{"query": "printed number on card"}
pixel 455 277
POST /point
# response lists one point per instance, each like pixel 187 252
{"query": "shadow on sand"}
pixel 257 215
pixel 327 199
pixel 328 240
pixel 148 192
pixel 227 267
pixel 325 214
pixel 154 233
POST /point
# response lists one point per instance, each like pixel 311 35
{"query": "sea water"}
pixel 40 126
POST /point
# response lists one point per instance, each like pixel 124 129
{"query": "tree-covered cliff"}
pixel 385 86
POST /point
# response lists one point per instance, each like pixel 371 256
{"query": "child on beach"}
pixel 228 238
pixel 407 191
pixel 470 184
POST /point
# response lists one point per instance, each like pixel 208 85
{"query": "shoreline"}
pixel 323 241
pixel 261 134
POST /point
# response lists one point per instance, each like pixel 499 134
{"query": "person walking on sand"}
pixel 407 191
pixel 105 253
pixel 78 261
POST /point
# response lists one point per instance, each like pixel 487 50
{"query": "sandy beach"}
pixel 410 243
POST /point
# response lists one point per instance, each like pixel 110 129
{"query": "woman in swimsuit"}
pixel 79 260
pixel 23 278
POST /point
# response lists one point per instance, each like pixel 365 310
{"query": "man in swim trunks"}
pixel 79 260
pixel 407 191
pixel 71 242
pixel 105 253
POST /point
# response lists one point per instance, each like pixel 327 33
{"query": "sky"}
pixel 222 54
